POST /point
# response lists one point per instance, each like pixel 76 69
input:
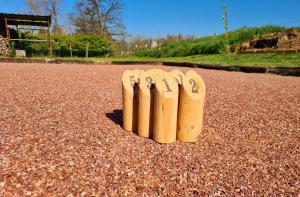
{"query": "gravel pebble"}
pixel 60 134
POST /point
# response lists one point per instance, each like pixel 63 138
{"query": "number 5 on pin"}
pixel 190 112
pixel 130 100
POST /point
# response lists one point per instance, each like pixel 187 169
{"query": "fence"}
pixel 35 48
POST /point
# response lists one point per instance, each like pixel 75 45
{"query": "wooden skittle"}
pixel 146 101
pixel 130 100
pixel 165 109
pixel 178 75
pixel 191 106
pixel 156 72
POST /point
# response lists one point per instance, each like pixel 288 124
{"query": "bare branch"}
pixel 46 7
pixel 102 17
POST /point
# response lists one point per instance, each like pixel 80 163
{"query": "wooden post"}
pixel 49 40
pixel 130 100
pixel 165 109
pixel 71 53
pixel 87 50
pixel 191 106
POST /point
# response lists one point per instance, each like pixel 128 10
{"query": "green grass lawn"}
pixel 273 60
pixel 263 60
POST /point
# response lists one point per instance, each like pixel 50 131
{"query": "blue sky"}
pixel 157 18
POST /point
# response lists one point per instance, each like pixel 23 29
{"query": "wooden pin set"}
pixel 165 106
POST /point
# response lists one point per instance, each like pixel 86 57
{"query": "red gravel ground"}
pixel 60 135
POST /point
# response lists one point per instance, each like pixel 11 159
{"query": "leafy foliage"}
pixel 97 46
pixel 208 45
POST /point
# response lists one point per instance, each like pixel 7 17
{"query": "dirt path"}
pixel 59 134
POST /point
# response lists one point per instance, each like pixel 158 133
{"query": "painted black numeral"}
pixel 167 86
pixel 132 81
pixel 149 81
pixel 194 87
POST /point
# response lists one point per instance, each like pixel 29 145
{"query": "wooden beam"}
pixel 7 31
pixel 35 29
pixel 29 40
pixel 29 21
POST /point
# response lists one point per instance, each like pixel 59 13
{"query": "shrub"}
pixel 98 46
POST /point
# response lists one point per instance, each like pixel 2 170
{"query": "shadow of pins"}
pixel 116 116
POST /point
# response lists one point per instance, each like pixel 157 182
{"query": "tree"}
pixel 37 7
pixel 47 7
pixel 102 17
pixel 225 19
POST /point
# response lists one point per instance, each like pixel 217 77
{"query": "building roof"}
pixel 24 19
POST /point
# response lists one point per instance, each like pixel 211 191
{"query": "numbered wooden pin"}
pixel 191 106
pixel 146 101
pixel 156 72
pixel 138 71
pixel 130 100
pixel 165 109
pixel 178 75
